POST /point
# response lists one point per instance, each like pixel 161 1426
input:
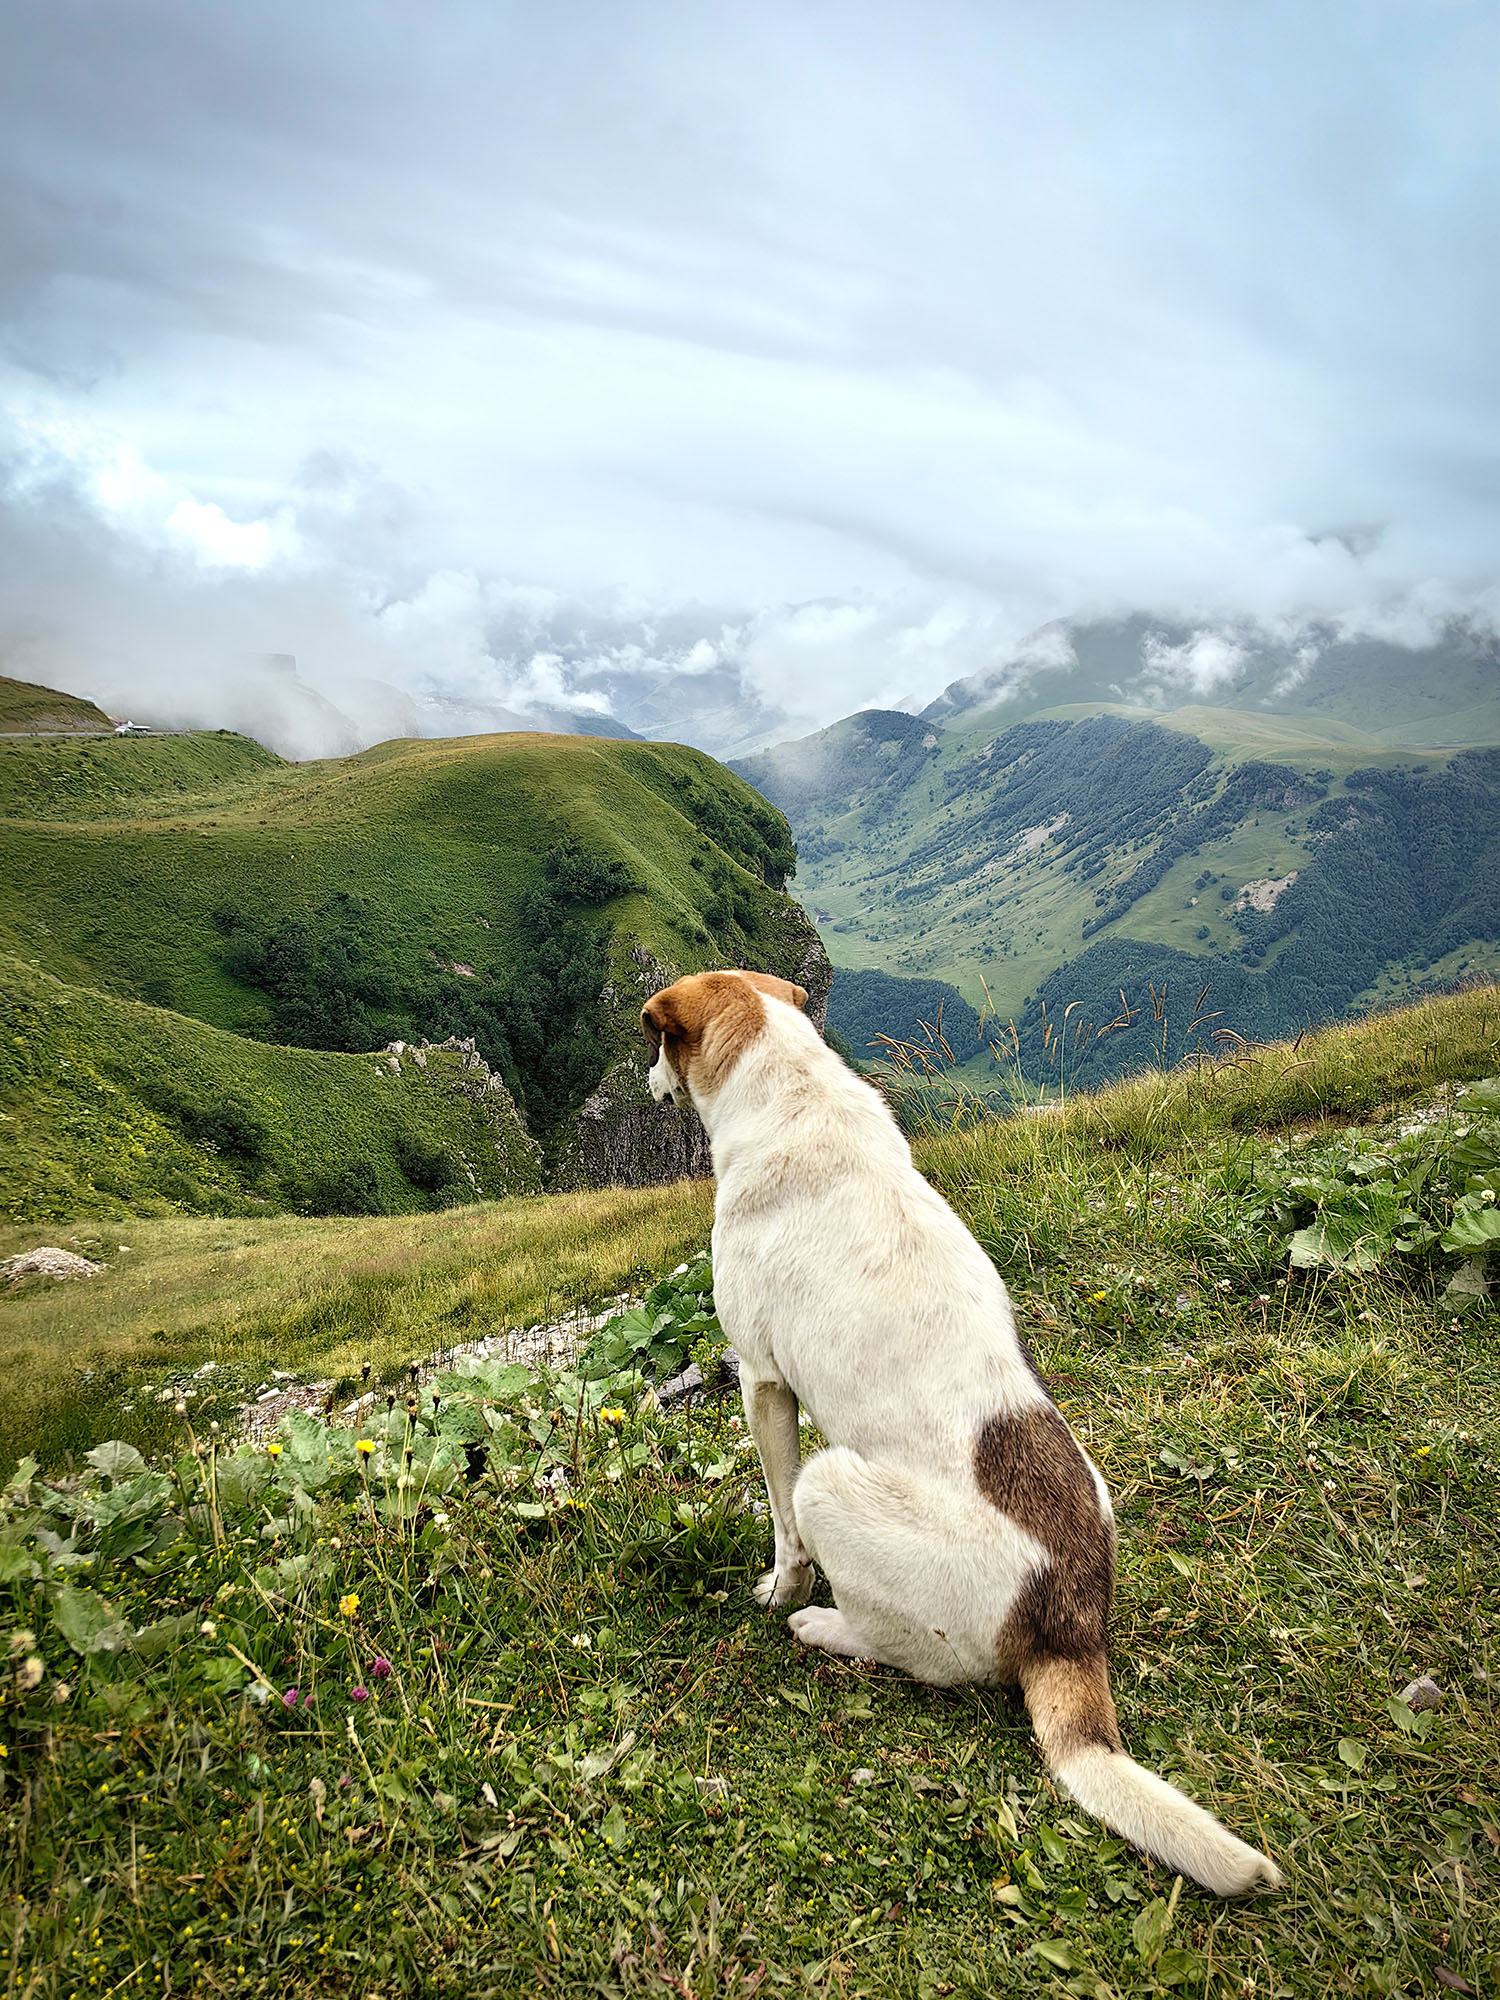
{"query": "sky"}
pixel 728 365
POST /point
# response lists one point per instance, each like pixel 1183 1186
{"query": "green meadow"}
pixel 469 1695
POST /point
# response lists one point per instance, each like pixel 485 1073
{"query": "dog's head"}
pixel 699 1028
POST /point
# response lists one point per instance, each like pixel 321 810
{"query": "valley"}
pixel 1297 864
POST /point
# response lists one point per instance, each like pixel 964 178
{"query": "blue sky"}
pixel 489 356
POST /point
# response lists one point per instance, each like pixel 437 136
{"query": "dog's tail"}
pixel 1073 1714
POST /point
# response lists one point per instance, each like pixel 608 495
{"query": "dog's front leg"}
pixel 771 1409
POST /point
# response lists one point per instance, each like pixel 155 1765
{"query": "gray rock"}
pixel 689 1388
pixel 1423 1692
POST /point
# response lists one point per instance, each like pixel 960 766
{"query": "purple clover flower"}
pixel 380 1668
pixel 291 1697
pixel 359 1694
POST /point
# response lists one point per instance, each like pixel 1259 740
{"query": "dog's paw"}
pixel 789 1585
pixel 826 1626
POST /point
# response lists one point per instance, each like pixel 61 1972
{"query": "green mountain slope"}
pixel 1062 857
pixel 111 1108
pixel 26 706
pixel 527 890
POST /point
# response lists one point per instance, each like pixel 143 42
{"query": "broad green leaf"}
pixel 1176 1965
pixel 1336 1245
pixel 115 1460
pixel 1053 1845
pixel 1352 1753
pixel 154 1640
pixel 1058 1954
pixel 129 1499
pixel 15 1564
pixel 1472 1229
pixel 88 1622
pixel 1149 1929
pixel 612 1828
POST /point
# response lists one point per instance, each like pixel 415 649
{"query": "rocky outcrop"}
pixel 498 1117
pixel 620 1137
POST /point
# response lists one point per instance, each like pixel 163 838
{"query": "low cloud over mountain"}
pixel 721 373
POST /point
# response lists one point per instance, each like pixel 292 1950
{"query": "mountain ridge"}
pixel 998 847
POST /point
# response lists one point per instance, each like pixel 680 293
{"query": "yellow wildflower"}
pixel 273 1451
pixel 612 1416
pixel 349 1606
pixel 365 1446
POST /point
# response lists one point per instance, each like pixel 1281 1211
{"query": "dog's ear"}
pixel 659 1018
pixel 779 989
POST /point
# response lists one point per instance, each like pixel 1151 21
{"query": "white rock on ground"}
pixel 551 1346
pixel 47 1262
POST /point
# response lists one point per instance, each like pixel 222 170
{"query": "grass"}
pixel 318 1296
pixel 596 1768
pixel 113 1109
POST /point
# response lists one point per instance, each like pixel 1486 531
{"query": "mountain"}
pixel 528 891
pixel 1352 691
pixel 1291 861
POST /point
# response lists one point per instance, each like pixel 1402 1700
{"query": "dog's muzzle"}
pixel 662 1082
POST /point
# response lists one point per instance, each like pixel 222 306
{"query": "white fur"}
pixel 851 1289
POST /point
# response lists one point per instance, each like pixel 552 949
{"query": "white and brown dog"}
pixel 965 1532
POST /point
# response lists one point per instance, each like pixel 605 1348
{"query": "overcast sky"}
pixel 492 352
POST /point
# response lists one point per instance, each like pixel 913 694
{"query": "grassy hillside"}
pixel 543 1741
pixel 489 886
pixel 113 1109
pixel 318 1297
pixel 1063 856
pixel 25 705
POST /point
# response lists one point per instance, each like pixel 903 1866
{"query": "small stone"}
pixel 863 1776
pixel 1424 1692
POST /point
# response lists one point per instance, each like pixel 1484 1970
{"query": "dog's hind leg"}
pixel 921 1581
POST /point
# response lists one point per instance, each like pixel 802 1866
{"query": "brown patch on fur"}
pixel 1071 1706
pixel 1030 1467
pixel 705 1022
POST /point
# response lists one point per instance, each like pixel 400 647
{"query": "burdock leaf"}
pixel 88 1622
pixel 115 1460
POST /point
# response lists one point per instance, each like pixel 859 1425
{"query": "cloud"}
pixel 1195 666
pixel 732 369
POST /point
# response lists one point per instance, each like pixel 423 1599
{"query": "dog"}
pixel 965 1532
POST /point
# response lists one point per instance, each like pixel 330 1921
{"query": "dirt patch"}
pixel 1263 895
